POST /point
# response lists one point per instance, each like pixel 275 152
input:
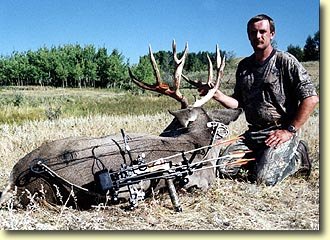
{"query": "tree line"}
pixel 310 51
pixel 77 66
pixel 73 65
pixel 64 66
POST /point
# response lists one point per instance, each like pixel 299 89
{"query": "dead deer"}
pixel 75 171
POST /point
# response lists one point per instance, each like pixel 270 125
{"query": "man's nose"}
pixel 259 34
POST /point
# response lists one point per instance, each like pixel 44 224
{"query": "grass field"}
pixel 31 116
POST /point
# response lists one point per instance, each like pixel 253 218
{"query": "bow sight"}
pixel 138 170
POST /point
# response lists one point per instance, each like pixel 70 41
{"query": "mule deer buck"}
pixel 86 171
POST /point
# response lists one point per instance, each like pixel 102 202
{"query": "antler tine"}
pixel 139 83
pixel 185 52
pixel 196 84
pixel 179 67
pixel 218 56
pixel 154 66
pixel 156 87
pixel 208 96
pixel 220 68
pixel 210 77
pixel 161 87
pixel 220 63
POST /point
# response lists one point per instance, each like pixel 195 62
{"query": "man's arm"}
pixel 225 100
pixel 305 109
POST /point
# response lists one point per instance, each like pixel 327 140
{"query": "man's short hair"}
pixel 261 17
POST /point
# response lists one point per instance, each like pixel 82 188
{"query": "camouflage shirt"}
pixel 270 92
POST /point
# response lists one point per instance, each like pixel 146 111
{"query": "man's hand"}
pixel 277 137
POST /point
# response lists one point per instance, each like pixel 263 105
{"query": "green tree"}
pixel 35 71
pixel 13 70
pixel 3 77
pixel 144 72
pixel 116 71
pixel 44 65
pixel 164 60
pixel 296 51
pixel 61 73
pixel 90 66
pixel 77 74
pixel 4 72
pixel 103 64
pixel 311 48
pixel 316 39
pixel 194 62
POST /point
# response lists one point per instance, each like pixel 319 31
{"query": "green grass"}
pixel 18 106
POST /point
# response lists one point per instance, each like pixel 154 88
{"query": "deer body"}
pixel 72 159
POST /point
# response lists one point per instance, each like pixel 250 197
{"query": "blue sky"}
pixel 131 25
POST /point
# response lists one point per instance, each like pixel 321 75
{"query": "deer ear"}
pixel 179 115
pixel 184 116
pixel 225 116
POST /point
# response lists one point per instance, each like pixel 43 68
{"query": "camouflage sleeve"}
pixel 303 85
pixel 236 94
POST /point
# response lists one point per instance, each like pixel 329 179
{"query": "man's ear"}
pixel 272 35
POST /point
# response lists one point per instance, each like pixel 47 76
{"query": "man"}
pixel 277 96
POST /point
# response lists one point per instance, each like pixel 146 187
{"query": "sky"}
pixel 131 25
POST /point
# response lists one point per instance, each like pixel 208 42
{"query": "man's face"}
pixel 260 36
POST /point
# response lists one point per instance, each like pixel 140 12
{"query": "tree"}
pixel 143 71
pixel 194 62
pixel 43 63
pixel 35 71
pixel 296 51
pixel 61 73
pixel 317 43
pixel 117 70
pixel 312 47
pixel 3 79
pixel 102 61
pixel 4 72
pixel 164 59
pixel 74 66
pixel 90 66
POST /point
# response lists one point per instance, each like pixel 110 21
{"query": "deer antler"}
pixel 164 88
pixel 220 69
pixel 174 91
